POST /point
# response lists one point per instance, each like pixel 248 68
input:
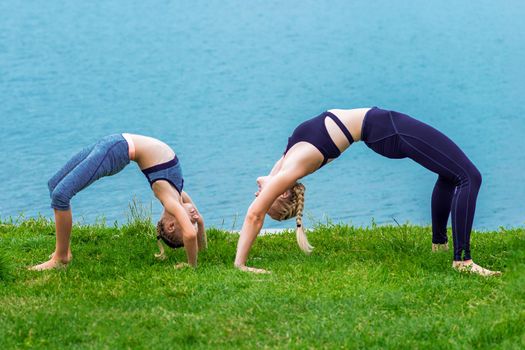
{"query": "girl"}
pixel 320 140
pixel 109 156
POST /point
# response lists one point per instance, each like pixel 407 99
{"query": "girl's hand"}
pixel 194 214
pixel 252 269
pixel 181 265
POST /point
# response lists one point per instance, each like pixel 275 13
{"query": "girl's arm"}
pixel 169 199
pixel 256 213
pixel 202 240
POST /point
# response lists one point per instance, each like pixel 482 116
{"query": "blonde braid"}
pixel 298 192
pixel 160 228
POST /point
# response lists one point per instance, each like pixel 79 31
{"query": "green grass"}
pixel 377 287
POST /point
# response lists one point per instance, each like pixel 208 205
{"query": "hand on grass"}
pixel 181 265
pixel 252 269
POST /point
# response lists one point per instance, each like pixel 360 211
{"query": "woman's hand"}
pixel 252 269
pixel 274 186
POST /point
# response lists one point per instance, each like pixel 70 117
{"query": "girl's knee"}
pixel 59 200
pixel 51 186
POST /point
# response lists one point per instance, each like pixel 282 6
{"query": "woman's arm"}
pixel 277 166
pixel 169 199
pixel 256 213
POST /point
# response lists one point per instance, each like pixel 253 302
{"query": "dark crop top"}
pixel 314 132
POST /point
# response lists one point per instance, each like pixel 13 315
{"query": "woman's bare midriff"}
pixel 150 151
pixel 352 119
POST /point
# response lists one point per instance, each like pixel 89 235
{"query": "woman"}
pixel 320 140
pixel 109 156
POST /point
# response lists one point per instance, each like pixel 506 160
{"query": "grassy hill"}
pixel 376 287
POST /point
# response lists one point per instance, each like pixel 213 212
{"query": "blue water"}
pixel 225 82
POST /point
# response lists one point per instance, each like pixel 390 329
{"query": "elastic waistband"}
pixel 363 134
pixel 131 145
pixel 161 166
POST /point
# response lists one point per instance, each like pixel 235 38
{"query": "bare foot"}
pixel 440 247
pixel 471 267
pixel 49 265
pixel 252 269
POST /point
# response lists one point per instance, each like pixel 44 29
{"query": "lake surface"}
pixel 225 83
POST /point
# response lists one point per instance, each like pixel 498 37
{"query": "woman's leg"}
pixel 397 135
pixel 436 152
pixel 441 203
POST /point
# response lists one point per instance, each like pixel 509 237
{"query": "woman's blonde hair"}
pixel 288 207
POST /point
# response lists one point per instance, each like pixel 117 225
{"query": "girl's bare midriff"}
pixel 150 151
pixel 352 119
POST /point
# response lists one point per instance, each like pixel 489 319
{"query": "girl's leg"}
pixel 62 254
pixel 66 169
pixel 104 159
pixel 63 225
pixel 441 204
pixel 97 163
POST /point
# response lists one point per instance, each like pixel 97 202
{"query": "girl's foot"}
pixel 471 267
pixel 69 256
pixel 440 247
pixel 49 265
pixel 52 263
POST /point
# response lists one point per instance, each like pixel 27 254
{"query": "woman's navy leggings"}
pixel 396 135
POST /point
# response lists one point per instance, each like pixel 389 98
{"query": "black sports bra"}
pixel 314 132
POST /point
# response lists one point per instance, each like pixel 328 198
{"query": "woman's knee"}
pixel 474 176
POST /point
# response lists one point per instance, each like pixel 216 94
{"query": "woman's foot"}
pixel 440 247
pixel 471 267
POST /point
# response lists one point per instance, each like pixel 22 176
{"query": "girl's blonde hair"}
pixel 174 239
pixel 293 205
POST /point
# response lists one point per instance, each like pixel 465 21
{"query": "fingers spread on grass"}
pixel 181 265
pixel 253 269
